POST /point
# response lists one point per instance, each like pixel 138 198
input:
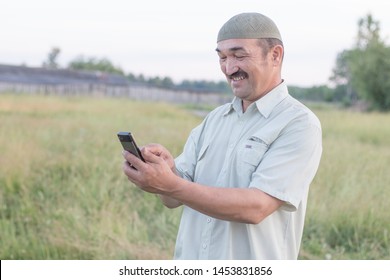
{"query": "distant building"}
pixel 22 79
pixel 45 76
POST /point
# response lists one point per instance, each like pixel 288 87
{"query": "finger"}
pixel 133 160
pixel 129 170
pixel 156 149
pixel 163 153
pixel 150 156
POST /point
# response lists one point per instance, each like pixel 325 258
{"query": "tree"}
pixel 52 57
pixel 365 69
pixel 368 32
pixel 94 64
pixel 342 78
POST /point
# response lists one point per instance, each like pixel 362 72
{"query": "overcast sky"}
pixel 177 38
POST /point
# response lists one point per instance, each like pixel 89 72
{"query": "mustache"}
pixel 239 73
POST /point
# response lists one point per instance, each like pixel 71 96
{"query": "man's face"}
pixel 249 72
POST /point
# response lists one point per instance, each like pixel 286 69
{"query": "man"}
pixel 244 174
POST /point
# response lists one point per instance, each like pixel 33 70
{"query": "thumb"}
pixel 149 156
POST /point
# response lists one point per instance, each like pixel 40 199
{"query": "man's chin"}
pixel 239 92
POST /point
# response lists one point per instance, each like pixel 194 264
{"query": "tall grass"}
pixel 348 213
pixel 63 194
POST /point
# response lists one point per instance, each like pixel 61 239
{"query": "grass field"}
pixel 63 194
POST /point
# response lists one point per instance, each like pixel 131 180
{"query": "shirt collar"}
pixel 264 105
pixel 235 105
pixel 267 103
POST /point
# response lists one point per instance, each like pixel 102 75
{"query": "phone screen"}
pixel 128 143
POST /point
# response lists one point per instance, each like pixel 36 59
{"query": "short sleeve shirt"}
pixel 275 146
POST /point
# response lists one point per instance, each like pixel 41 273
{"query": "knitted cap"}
pixel 249 26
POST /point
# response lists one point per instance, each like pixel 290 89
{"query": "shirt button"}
pixel 204 246
pixel 208 220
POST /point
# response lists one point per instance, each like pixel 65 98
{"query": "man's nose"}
pixel 230 67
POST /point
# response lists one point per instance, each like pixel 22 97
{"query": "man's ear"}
pixel 277 55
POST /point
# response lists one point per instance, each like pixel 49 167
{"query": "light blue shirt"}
pixel 274 146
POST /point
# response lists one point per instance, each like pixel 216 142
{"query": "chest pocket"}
pixel 251 152
pixel 202 151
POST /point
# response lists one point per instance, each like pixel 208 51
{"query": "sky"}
pixel 177 38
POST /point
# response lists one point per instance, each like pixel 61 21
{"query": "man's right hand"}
pixel 161 151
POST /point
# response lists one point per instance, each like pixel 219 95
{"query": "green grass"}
pixel 63 194
pixel 62 191
pixel 348 211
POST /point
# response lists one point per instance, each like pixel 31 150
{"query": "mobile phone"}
pixel 128 143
